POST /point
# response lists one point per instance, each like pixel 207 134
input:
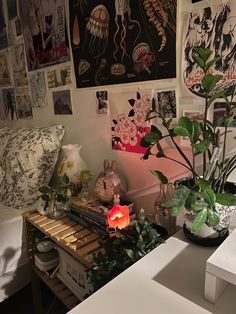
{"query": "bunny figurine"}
pixel 109 183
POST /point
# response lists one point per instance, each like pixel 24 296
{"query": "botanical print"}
pixel 44 31
pixel 166 103
pixel 102 102
pixel 12 9
pixel 5 78
pixel 19 69
pixel 9 103
pixel 122 41
pixel 62 102
pixel 2 107
pixel 59 77
pixel 213 28
pixel 219 113
pixel 129 123
pixel 3 29
pixel 38 89
pixel 23 106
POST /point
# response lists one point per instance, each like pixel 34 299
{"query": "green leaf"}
pixel 209 197
pixel 130 253
pixel 214 97
pixel 147 154
pixel 226 199
pixel 211 63
pixel 65 179
pixel 199 220
pixel 45 189
pixel 203 184
pixel 143 143
pixel 160 176
pixel 200 62
pixel 203 53
pixel 200 147
pixel 209 81
pixel 186 127
pixel 154 129
pixel 152 137
pixel 176 211
pixel 213 218
pixel 153 104
pixel 199 206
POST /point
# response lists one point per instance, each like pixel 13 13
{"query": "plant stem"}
pixel 182 164
pixel 181 152
pixel 204 133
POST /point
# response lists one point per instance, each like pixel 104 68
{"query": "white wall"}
pixel 92 131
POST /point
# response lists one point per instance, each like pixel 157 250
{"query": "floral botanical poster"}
pixel 213 28
pixel 166 103
pixel 129 123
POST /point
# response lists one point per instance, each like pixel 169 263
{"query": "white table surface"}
pixel 168 280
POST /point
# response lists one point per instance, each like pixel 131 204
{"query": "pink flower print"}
pixel 132 129
pixel 133 141
pixel 125 137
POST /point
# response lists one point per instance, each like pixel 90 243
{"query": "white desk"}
pixel 221 269
pixel 168 280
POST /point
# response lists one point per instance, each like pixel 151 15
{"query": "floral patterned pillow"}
pixel 29 159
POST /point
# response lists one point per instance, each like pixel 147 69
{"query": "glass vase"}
pixel 163 215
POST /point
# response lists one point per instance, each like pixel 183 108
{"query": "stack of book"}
pixel 93 215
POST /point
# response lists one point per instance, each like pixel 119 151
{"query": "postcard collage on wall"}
pixel 112 42
pixel 33 36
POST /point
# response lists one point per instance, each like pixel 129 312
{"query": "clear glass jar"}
pixel 163 215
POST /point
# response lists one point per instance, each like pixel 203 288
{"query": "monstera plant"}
pixel 205 196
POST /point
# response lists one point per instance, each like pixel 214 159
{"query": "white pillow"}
pixel 29 158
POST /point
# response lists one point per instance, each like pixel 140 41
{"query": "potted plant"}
pixel 204 198
pixel 132 241
pixel 55 198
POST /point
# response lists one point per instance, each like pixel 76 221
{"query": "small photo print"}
pixel 62 102
pixel 60 76
pixel 194 115
pixel 219 112
pixel 9 103
pixel 166 103
pixel 102 102
pixel 24 106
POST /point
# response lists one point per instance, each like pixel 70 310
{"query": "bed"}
pixel 27 160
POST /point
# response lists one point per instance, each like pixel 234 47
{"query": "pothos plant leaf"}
pixel 213 218
pixel 199 220
pixel 204 54
pixel 209 81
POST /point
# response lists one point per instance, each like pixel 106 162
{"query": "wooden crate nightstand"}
pixel 75 244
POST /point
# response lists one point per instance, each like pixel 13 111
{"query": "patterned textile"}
pixel 28 157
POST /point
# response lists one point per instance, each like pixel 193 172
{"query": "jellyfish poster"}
pixel 129 125
pixel 117 41
pixel 44 31
pixel 213 28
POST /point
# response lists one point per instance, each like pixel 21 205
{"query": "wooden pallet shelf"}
pixel 81 243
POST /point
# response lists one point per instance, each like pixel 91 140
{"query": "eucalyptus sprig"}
pixel 121 251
